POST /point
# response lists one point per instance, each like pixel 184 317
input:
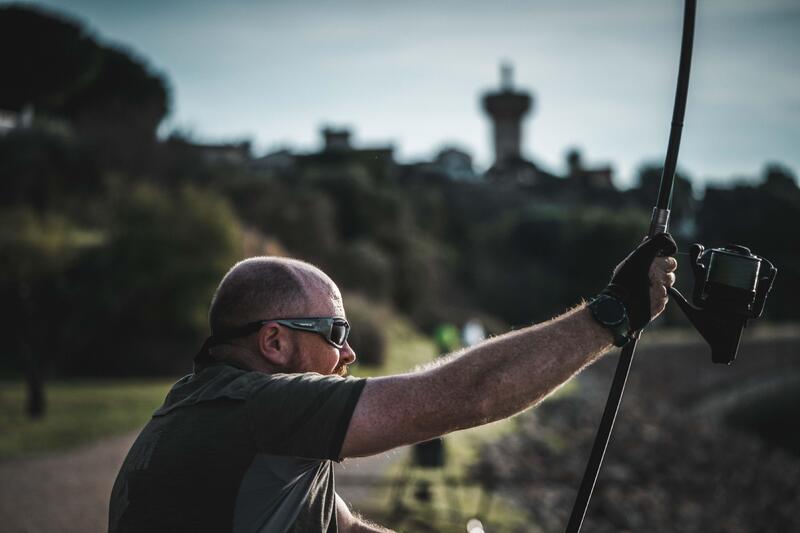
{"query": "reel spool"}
pixel 730 288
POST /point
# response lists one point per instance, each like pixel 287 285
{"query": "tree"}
pixel 53 64
pixel 35 253
pixel 145 293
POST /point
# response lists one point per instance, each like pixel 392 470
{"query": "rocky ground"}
pixel 672 465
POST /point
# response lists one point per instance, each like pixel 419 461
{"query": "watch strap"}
pixel 621 329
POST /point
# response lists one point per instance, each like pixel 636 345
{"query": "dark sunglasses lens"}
pixel 339 332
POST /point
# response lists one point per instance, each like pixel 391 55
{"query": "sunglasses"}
pixel 334 330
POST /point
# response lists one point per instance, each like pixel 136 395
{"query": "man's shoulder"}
pixel 302 381
pixel 214 382
pixel 235 383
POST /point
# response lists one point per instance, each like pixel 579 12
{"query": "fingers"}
pixel 662 276
pixel 658 292
pixel 658 299
pixel 666 264
pixel 662 271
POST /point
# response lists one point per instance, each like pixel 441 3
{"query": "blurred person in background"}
pixel 246 442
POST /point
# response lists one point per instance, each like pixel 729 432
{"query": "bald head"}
pixel 263 287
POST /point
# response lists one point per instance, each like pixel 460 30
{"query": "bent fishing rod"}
pixel 731 286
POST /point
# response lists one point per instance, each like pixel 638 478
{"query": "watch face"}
pixel 609 311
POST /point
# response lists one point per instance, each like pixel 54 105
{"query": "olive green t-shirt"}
pixel 239 451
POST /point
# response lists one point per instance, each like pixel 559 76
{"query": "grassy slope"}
pixel 78 412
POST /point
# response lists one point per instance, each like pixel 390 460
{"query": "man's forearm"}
pixel 487 382
pixel 509 373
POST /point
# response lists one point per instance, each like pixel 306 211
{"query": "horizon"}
pixel 413 82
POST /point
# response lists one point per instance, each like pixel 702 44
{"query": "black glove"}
pixel 630 282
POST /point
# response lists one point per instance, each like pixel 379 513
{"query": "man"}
pixel 245 443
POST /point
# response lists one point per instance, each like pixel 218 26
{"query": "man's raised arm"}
pixel 508 373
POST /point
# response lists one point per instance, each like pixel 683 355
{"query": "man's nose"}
pixel 347 355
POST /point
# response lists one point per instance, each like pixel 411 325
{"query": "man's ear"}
pixel 274 345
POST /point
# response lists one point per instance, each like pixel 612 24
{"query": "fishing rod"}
pixel 731 286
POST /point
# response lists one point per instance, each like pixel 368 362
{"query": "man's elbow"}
pixel 347 522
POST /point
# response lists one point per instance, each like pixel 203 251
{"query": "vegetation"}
pixel 76 78
pixel 112 240
pixel 81 412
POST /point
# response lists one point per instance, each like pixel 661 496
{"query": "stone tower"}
pixel 506 108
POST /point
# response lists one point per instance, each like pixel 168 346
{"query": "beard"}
pixel 340 370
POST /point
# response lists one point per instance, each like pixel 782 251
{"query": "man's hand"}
pixel 640 280
pixel 662 277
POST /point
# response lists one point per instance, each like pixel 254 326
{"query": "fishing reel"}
pixel 730 288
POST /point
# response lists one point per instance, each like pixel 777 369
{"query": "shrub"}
pixel 144 296
pixel 364 267
pixel 367 336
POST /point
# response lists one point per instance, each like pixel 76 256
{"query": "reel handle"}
pixel 763 288
pixel 700 273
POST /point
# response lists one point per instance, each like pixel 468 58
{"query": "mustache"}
pixel 340 370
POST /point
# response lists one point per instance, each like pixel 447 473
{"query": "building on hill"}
pixel 336 139
pixel 224 153
pixel 337 156
pixel 506 108
pixel 450 163
pixel 780 179
pixel 583 177
pixel 454 163
pixel 279 160
pixel 520 171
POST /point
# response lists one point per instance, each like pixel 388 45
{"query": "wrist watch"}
pixel 611 314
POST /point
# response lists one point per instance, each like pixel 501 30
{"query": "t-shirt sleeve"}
pixel 303 415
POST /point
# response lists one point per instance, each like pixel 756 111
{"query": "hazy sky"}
pixel 410 73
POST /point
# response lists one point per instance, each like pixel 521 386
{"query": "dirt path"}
pixel 68 492
pixel 64 492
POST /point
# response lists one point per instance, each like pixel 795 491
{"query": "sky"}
pixel 411 73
